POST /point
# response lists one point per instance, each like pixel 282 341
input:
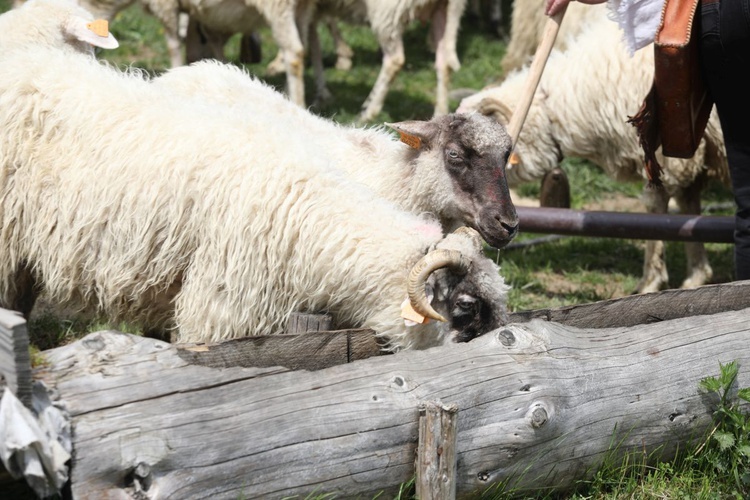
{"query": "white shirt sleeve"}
pixel 638 20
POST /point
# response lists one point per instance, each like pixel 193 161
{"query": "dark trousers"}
pixel 725 58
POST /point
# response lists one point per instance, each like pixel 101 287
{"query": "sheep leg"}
pixel 655 274
pixel 276 66
pixel 284 30
pixel 322 94
pixel 168 13
pixel 699 270
pixel 344 53
pixel 445 23
pixel 393 60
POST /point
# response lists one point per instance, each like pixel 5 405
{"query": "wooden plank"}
pixel 305 322
pixel 436 453
pixel 15 360
pixel 541 404
pixel 646 308
pixel 309 351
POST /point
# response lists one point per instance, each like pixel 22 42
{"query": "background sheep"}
pixel 388 20
pixel 457 173
pixel 214 230
pixel 577 112
pixel 527 27
pixel 227 17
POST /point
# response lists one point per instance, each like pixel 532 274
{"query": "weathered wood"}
pixel 15 360
pixel 309 351
pixel 305 322
pixel 317 350
pixel 436 452
pixel 541 405
pixel 646 308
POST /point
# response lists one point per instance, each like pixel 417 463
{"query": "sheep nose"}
pixel 511 228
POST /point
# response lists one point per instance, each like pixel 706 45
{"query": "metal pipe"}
pixel 636 226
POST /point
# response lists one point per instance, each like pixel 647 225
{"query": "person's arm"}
pixel 555 6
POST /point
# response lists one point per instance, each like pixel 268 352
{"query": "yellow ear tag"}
pixel 514 159
pixel 100 27
pixel 411 140
pixel 409 314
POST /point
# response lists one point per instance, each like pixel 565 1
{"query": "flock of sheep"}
pixel 162 203
pixel 205 203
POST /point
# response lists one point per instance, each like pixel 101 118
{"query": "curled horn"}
pixel 499 110
pixel 434 260
pixel 472 235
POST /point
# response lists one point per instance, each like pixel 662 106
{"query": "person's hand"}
pixel 555 6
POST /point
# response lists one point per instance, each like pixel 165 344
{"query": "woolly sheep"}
pixel 527 27
pixel 581 109
pixel 230 16
pixel 388 20
pixel 51 23
pixel 217 231
pixel 469 189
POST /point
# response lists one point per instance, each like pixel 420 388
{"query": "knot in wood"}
pixel 141 477
pixel 506 337
pixel 538 417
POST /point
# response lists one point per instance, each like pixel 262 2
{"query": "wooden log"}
pixel 15 360
pixel 317 350
pixel 647 308
pixel 436 452
pixel 305 322
pixel 309 351
pixel 541 406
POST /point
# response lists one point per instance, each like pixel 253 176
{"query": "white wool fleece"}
pixel 149 206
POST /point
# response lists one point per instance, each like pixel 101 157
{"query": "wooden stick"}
pixel 535 74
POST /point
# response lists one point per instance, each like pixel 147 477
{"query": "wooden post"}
pixel 436 452
pixel 15 361
pixel 555 191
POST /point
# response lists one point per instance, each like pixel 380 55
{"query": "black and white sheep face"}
pixel 471 307
pixel 472 151
pixel 456 285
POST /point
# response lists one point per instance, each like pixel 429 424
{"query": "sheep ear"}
pixel 95 33
pixel 416 133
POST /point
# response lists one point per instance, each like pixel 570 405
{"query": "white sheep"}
pixel 53 23
pixel 150 207
pixel 388 20
pixel 581 109
pixel 527 27
pixel 456 174
pixel 230 16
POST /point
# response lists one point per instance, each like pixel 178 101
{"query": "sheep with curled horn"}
pixel 210 229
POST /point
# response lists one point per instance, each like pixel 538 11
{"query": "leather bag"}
pixel 676 110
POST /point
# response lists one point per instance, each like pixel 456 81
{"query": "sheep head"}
pixel 469 293
pixel 460 167
pixel 56 24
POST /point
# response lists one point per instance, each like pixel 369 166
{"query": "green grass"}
pixel 568 271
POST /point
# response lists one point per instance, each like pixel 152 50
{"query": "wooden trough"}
pixel 537 404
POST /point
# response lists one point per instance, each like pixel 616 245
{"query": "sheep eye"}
pixel 453 153
pixel 466 304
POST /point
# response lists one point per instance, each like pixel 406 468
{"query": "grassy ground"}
pixel 563 272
